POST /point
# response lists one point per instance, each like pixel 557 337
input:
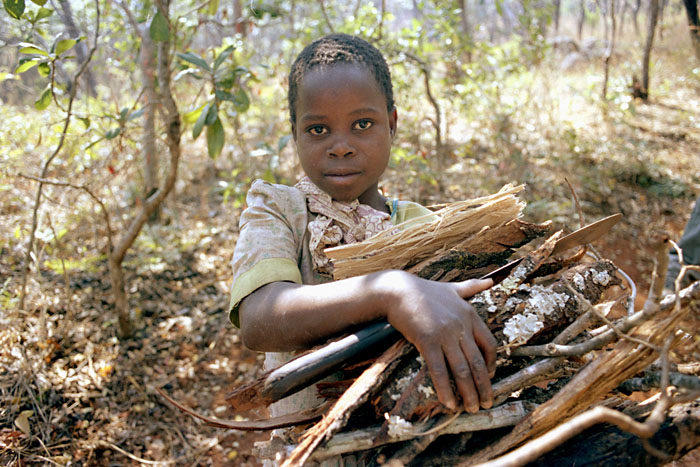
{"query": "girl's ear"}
pixel 294 129
pixel 393 116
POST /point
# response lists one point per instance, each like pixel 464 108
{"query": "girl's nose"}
pixel 341 148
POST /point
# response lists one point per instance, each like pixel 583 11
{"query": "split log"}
pixel 475 257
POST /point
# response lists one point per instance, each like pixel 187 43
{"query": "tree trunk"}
pixel 464 20
pixel 691 8
pixel 581 18
pixel 635 15
pixel 557 15
pixel 147 61
pixel 610 48
pixel 240 24
pixel 651 28
pixel 152 202
pixel 80 48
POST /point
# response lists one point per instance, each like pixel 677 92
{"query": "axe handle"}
pixel 314 366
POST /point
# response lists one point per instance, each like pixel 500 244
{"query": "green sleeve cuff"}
pixel 262 273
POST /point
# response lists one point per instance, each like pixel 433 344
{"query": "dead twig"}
pixel 623 325
pixel 47 163
pixel 590 308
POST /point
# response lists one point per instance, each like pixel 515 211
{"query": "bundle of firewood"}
pixel 549 314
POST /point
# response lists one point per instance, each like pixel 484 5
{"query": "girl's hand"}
pixel 436 318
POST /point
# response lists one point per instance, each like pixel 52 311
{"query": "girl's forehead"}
pixel 337 71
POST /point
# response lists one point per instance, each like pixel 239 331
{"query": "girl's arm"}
pixel 434 316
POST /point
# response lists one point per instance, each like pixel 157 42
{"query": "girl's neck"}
pixel 374 199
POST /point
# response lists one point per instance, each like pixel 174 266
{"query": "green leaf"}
pixel 137 114
pixel 193 115
pixel 65 44
pixel 195 60
pixel 43 13
pixel 213 6
pixel 27 64
pixel 39 2
pixel 215 138
pixel 223 56
pixel 160 28
pixel 212 115
pixel 31 49
pixel 113 133
pixel 44 100
pixel 14 8
pixel 123 114
pixel 199 124
pixel 85 120
pixel 241 101
pixel 44 69
pixel 223 95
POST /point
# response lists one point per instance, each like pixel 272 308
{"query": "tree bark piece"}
pixel 613 447
pixel 301 418
pixel 491 248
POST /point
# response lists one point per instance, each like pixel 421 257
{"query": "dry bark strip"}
pixel 476 256
pixel 300 418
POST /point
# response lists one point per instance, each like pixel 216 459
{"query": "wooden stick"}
pixel 352 398
pixel 358 440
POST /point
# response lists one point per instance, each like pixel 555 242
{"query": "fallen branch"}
pixel 505 415
pixel 611 446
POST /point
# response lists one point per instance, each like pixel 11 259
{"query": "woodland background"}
pixel 132 130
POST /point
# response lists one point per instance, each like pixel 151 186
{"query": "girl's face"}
pixel 343 132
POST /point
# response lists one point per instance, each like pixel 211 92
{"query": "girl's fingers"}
pixel 480 372
pixel 440 377
pixel 487 343
pixel 472 287
pixel 462 374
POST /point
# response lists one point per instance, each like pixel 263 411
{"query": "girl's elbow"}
pixel 250 337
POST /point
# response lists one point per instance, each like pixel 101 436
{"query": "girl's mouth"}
pixel 342 174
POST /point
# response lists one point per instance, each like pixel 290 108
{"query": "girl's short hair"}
pixel 339 48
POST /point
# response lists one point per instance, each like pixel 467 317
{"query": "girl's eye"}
pixel 317 130
pixel 363 125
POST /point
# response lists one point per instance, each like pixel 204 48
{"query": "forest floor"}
pixel 72 392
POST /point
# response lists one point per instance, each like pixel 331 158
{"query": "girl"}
pixel 343 122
